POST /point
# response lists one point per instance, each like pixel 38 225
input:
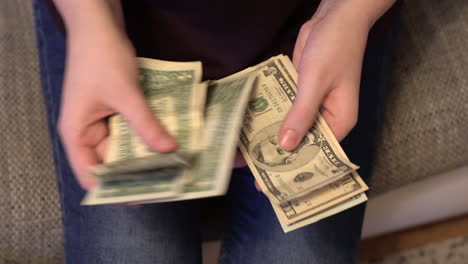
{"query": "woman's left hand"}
pixel 328 56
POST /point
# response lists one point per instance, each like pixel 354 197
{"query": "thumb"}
pixel 136 111
pixel 302 114
pixel 301 42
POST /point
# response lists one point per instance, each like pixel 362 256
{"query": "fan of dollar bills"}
pixel 210 120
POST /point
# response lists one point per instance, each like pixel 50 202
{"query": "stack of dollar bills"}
pixel 209 120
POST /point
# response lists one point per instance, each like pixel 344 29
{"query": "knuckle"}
pixel 306 26
pixel 303 108
pixel 62 129
pixel 150 129
pixel 352 121
pixel 66 132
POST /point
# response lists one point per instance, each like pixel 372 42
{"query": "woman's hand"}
pixel 101 79
pixel 328 56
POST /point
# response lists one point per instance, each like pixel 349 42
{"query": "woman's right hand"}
pixel 101 80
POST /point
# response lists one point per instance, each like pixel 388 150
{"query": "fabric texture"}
pixel 450 251
pixel 426 119
pixel 30 219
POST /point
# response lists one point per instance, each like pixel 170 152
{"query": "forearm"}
pixel 91 16
pixel 365 12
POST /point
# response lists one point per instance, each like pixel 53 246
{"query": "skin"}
pixel 101 81
pixel 328 56
pixel 273 153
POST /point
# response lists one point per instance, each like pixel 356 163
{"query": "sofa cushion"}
pixel 30 219
pixel 426 117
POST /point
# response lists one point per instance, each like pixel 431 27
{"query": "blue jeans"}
pixel 170 232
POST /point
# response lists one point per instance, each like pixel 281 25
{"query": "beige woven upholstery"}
pixel 425 131
pixel 30 220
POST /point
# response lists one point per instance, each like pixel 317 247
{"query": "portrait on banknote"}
pixel 268 154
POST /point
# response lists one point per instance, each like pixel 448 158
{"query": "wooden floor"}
pixel 387 244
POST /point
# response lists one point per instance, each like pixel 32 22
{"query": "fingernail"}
pixel 289 140
pixel 167 144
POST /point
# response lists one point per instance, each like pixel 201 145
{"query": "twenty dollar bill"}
pixel 305 182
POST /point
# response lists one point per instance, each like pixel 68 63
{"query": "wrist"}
pixel 92 45
pixel 360 13
pixel 90 17
pixel 84 33
pixel 96 32
pixel 93 28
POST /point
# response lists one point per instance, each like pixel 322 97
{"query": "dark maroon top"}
pixel 226 35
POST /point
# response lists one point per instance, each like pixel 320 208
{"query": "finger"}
pixel 82 159
pixel 340 110
pixel 137 112
pixel 300 43
pixel 101 149
pixel 80 147
pixel 96 137
pixel 257 186
pixel 304 110
pixel 239 160
pixel 302 37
